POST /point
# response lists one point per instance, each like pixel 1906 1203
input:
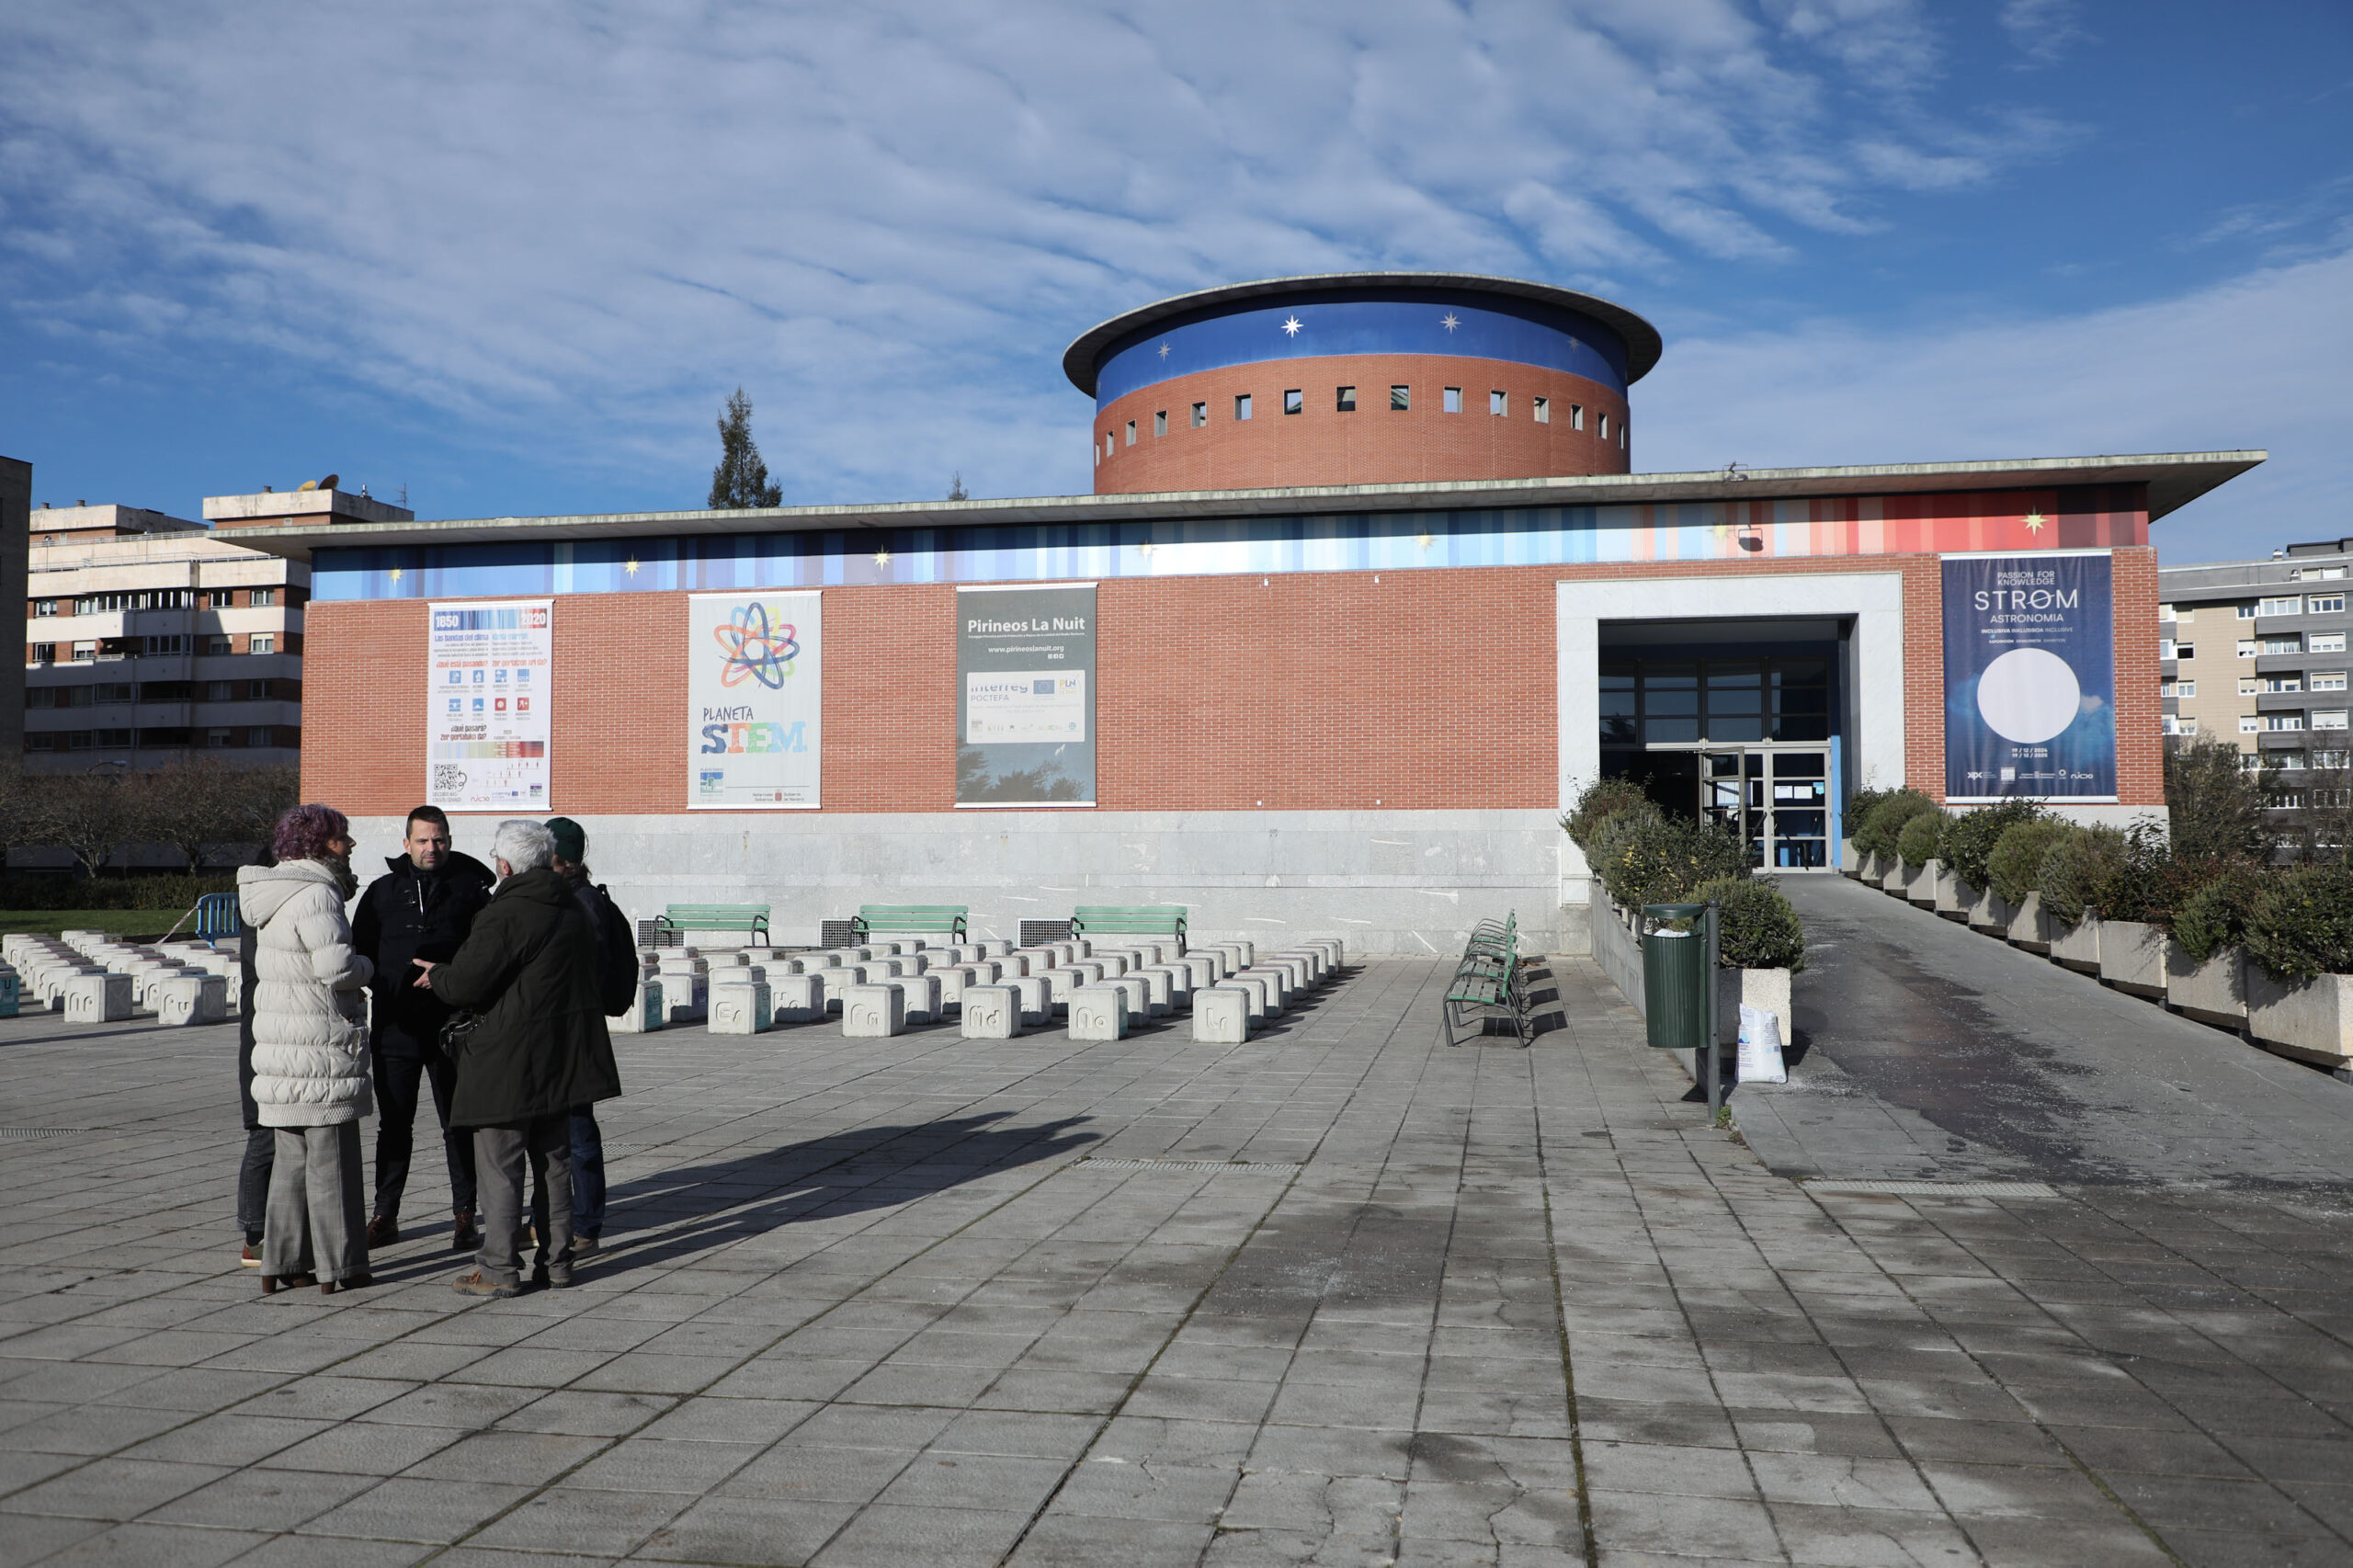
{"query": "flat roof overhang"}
pixel 2175 478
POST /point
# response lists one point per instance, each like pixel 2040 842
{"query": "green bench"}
pixel 1486 978
pixel 751 917
pixel 1117 920
pixel 909 920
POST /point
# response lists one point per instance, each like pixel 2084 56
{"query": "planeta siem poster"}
pixel 754 700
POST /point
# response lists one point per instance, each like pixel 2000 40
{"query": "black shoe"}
pixel 467 1237
pixel 384 1231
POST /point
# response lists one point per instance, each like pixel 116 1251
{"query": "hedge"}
pixel 1660 860
pixel 1876 828
pixel 2080 862
pixel 1757 928
pixel 1916 845
pixel 1969 838
pixel 2301 922
pixel 1598 801
pixel 2015 867
pixel 2214 916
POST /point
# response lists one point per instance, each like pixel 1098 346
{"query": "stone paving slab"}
pixel 1340 1295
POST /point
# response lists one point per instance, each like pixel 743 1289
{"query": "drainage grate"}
pixel 16 1134
pixel 1190 1165
pixel 1940 1188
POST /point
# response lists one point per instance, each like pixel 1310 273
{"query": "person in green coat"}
pixel 528 970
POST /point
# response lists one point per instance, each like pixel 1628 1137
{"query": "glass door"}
pixel 1777 800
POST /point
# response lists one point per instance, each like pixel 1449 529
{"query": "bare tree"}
pixel 193 804
pixel 91 814
pixel 20 814
pixel 2215 806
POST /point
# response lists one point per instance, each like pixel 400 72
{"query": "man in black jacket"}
pixel 423 907
pixel 538 1051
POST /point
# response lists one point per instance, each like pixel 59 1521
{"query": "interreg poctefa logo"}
pixel 755 650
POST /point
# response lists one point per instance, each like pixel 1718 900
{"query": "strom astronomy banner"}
pixel 486 739
pixel 754 700
pixel 1025 696
pixel 2029 677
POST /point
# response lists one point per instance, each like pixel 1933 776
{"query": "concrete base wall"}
pixel 1407 882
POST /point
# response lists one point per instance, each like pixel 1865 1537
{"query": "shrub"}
pixel 176 891
pixel 1757 928
pixel 1875 834
pixel 2078 864
pixel 2015 867
pixel 1610 836
pixel 1916 845
pixel 1968 840
pixel 1598 801
pixel 2214 804
pixel 2152 881
pixel 2301 922
pixel 1662 858
pixel 2214 916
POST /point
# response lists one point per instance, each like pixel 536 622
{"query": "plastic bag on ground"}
pixel 1760 1047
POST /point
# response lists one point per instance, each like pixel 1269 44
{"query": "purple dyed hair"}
pixel 302 833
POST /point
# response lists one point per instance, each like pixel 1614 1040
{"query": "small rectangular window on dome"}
pixel 1294 400
pixel 1542 407
pixel 1605 429
pixel 1200 415
pixel 1160 423
pixel 1577 417
pixel 1499 403
pixel 1453 400
pixel 1132 432
pixel 1346 400
pixel 1401 399
pixel 1242 407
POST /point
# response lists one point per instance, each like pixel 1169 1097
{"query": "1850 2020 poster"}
pixel 2029 677
pixel 488 734
pixel 756 701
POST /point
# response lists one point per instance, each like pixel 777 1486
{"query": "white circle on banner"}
pixel 2028 694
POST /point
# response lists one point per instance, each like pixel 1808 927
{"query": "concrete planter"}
pixel 2311 1020
pixel 1992 914
pixel 1955 898
pixel 1920 884
pixel 1865 869
pixel 2029 927
pixel 1897 877
pixel 2076 946
pixel 2213 991
pixel 1617 950
pixel 1738 988
pixel 2132 958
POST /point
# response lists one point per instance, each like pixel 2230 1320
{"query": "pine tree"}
pixel 741 480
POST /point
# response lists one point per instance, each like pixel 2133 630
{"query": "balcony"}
pixel 2284 701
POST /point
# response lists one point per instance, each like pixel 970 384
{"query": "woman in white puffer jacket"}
pixel 311 1067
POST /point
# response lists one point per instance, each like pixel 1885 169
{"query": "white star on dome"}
pixel 1291 326
pixel 1450 321
pixel 1164 351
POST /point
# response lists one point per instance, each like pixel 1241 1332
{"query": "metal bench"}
pixel 1486 978
pixel 911 920
pixel 1117 920
pixel 751 917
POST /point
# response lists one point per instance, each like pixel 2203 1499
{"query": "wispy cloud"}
pixel 2043 31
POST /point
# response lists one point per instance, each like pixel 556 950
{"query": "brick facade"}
pixel 1374 445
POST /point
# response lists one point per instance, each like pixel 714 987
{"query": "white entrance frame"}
pixel 1873 599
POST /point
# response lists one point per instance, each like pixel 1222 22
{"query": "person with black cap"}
pixel 616 957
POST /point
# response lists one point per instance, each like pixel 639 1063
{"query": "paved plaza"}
pixel 1337 1296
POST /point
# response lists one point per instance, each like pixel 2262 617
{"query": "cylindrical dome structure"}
pixel 1361 378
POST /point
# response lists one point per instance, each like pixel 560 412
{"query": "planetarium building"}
pixel 1368 587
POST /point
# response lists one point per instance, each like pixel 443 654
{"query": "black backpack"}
pixel 615 952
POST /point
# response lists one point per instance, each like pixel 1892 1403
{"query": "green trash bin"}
pixel 1675 977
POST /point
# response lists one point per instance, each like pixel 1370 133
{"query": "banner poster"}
pixel 756 698
pixel 2029 677
pixel 487 740
pixel 1025 697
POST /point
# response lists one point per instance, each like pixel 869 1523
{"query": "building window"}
pixel 2328 680
pixel 1242 407
pixel 44 653
pixel 1542 406
pixel 2247 685
pixel 44 607
pixel 2326 604
pixel 2283 683
pixel 2247 724
pixel 1621 434
pixel 1160 423
pixel 2329 758
pixel 2164 612
pixel 1452 400
pixel 1605 428
pixel 2176 725
pixel 39 741
pixel 2316 574
pixel 2290 605
pixel 1132 432
pixel 2244 612
pixel 220 691
pixel 219 644
pixel 2328 718
pixel 257 689
pixel 1110 444
pixel 2246 647
pixel 215 739
pixel 2287 761
pixel 262 736
pixel 2283 644
pixel 2181 651
pixel 264 598
pixel 2185 688
pixel 1499 403
pixel 1294 400
pixel 41 697
pixel 1577 417
pixel 1399 399
pixel 2328 641
pixel 82 650
pixel 111 692
pixel 262 643
pixel 2283 721
pixel 1200 415
pixel 109 740
pixel 1345 399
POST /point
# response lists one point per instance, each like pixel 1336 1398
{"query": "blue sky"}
pixel 515 257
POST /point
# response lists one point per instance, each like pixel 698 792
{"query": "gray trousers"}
pixel 317 1219
pixel 501 1156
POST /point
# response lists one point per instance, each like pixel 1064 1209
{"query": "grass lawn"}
pixel 122 921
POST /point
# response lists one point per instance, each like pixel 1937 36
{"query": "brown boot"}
pixel 467 1236
pixel 384 1231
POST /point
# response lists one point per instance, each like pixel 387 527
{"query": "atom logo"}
pixel 756 651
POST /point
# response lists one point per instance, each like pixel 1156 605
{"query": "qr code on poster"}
pixel 447 779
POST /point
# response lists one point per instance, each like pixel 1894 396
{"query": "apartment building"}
pixel 147 639
pixel 2254 651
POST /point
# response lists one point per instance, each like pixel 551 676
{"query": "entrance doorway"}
pixel 1776 798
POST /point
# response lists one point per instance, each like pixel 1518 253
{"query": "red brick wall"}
pixel 1374 445
pixel 1349 690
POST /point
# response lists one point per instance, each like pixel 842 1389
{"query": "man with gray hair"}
pixel 527 972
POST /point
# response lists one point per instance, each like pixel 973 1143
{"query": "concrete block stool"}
pixel 8 983
pixel 797 998
pixel 992 1012
pixel 645 1013
pixel 1259 988
pixel 188 999
pixel 1159 996
pixel 1113 965
pixel 96 998
pixel 1203 968
pixel 1138 990
pixel 874 1012
pixel 688 996
pixel 1037 1004
pixel 1061 983
pixel 920 997
pixel 740 1007
pixel 1099 1012
pixel 1222 1015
